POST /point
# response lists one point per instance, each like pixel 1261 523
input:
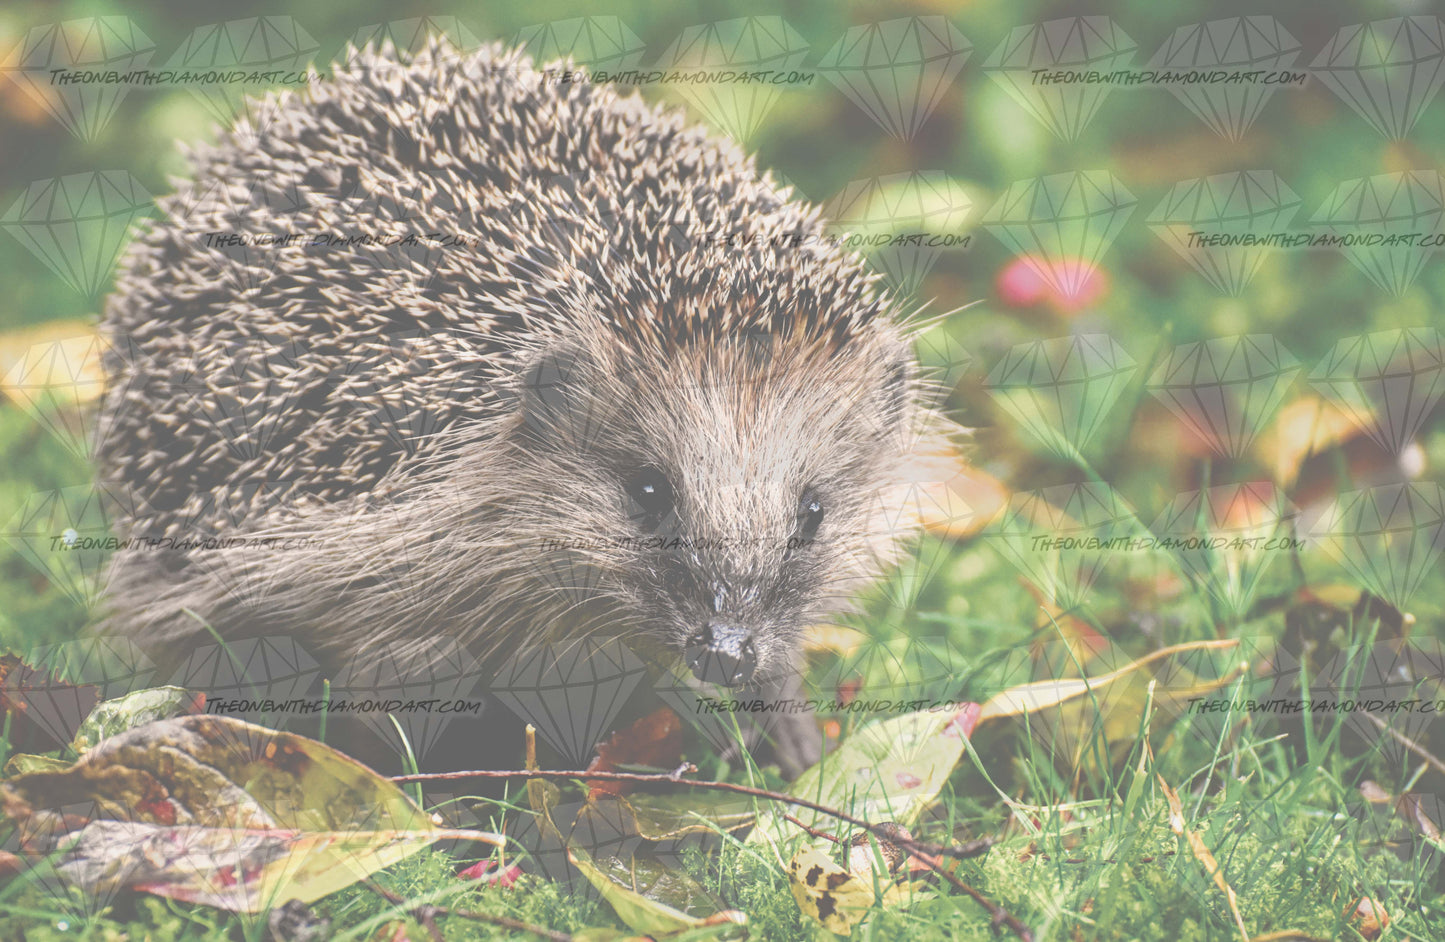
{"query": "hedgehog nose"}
pixel 722 653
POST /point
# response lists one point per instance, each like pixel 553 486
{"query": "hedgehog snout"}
pixel 722 653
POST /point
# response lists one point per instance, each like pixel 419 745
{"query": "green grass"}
pixel 1087 849
pixel 1277 800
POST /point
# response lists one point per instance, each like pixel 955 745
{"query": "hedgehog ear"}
pixel 554 396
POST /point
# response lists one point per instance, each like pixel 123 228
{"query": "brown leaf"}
pixel 1369 917
pixel 655 740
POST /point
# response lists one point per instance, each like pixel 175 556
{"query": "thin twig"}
pixel 959 851
pixel 811 832
pixel 971 849
pixel 999 915
pixel 927 854
pixel 1407 742
pixel 426 915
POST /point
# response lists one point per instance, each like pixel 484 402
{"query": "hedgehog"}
pixel 564 365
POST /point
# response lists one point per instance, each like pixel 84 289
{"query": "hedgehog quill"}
pixel 613 403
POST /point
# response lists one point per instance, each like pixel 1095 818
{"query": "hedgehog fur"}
pixel 439 436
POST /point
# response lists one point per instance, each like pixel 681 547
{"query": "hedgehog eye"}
pixel 650 492
pixel 810 516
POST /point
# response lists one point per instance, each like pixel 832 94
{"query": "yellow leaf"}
pixel 956 500
pixel 1043 694
pixel 827 892
pixel 1304 427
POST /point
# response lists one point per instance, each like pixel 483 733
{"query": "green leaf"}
pixel 888 770
pixel 656 901
pixel 113 717
pixel 668 817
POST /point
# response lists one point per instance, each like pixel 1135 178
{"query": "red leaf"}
pixel 654 740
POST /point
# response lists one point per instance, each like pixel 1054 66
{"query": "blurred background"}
pixel 1186 269
pixel 1100 348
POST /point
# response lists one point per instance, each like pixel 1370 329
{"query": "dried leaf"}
pixel 655 741
pixel 656 901
pixel 112 717
pixel 218 811
pixel 1043 694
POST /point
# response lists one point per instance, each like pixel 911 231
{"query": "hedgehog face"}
pixel 736 500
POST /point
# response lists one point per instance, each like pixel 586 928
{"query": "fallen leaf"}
pixel 657 901
pixel 889 769
pixel 653 741
pixel 63 354
pixel 1369 917
pixel 1306 426
pixel 838 899
pixel 833 639
pixel 1043 694
pixel 218 811
pixel 957 500
pixel 112 717
pixel 30 695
